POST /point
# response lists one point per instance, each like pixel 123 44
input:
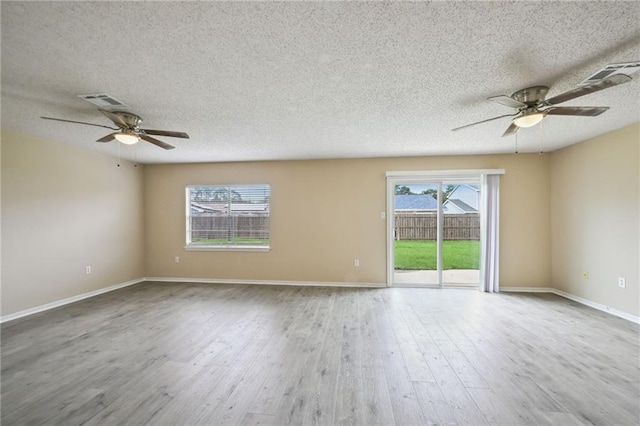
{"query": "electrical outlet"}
pixel 177 259
pixel 356 262
pixel 585 275
pixel 383 215
pixel 87 270
pixel 622 282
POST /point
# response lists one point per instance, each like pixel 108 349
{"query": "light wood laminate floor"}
pixel 169 353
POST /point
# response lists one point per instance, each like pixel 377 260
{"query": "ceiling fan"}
pixel 532 106
pixel 128 129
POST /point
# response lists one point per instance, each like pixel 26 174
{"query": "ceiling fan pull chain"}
pixel 118 145
pixel 516 143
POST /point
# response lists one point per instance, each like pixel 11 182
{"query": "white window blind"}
pixel 228 217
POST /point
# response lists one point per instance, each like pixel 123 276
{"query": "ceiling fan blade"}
pixel 612 81
pixel 483 121
pixel 108 138
pixel 510 130
pixel 79 122
pixel 166 133
pixel 118 121
pixel 507 100
pixel 579 111
pixel 156 142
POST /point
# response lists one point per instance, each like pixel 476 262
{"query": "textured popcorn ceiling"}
pixel 260 81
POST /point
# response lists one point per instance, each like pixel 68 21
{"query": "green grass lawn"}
pixel 421 254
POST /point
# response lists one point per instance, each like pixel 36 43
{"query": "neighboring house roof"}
pixel 208 207
pixel 458 205
pixel 468 194
pixel 415 202
pixel 465 186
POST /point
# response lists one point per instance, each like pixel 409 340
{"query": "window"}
pixel 229 217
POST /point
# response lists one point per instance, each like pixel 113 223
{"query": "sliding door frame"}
pixel 433 177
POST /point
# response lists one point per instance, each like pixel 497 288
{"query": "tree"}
pixel 445 194
pixel 220 194
pixel 201 194
pixel 403 190
pixel 223 194
pixel 432 192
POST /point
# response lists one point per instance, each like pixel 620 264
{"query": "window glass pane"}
pixel 232 215
pixel 416 234
pixel 461 234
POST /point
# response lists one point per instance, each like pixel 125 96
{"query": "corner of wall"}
pixel 65 208
pixel 595 219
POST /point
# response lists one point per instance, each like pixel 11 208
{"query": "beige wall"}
pixel 63 209
pixel 595 225
pixel 562 214
pixel 325 213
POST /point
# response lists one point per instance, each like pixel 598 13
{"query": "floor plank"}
pixel 175 353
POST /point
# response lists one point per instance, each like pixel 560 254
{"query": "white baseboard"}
pixel 66 301
pixel 598 306
pixel 266 282
pixel 526 289
pixel 79 297
pixel 587 302
pixel 52 305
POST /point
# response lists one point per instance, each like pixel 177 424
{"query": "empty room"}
pixel 320 213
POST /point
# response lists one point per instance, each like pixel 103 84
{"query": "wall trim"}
pixel 267 282
pixel 445 174
pixel 586 302
pixel 68 300
pixel 526 289
pixel 598 306
pixel 56 304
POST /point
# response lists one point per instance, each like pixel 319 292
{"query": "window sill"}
pixel 228 248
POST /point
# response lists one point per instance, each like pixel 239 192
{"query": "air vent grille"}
pixel 627 68
pixel 104 101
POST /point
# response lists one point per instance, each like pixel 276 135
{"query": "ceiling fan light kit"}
pixel 127 137
pixel 128 128
pixel 529 119
pixel 532 106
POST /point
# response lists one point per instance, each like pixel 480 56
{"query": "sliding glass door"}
pixel 435 226
pixel 415 234
pixel 460 234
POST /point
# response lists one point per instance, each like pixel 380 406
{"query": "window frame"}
pixel 189 246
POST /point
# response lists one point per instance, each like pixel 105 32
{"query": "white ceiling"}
pixel 260 81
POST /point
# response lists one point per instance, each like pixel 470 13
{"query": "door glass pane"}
pixel 460 234
pixel 415 234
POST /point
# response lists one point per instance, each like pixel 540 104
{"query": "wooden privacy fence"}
pixel 423 226
pixel 216 227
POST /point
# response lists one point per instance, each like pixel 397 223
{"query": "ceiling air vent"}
pixel 627 68
pixel 104 101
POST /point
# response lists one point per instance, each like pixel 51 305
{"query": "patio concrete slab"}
pixel 462 277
